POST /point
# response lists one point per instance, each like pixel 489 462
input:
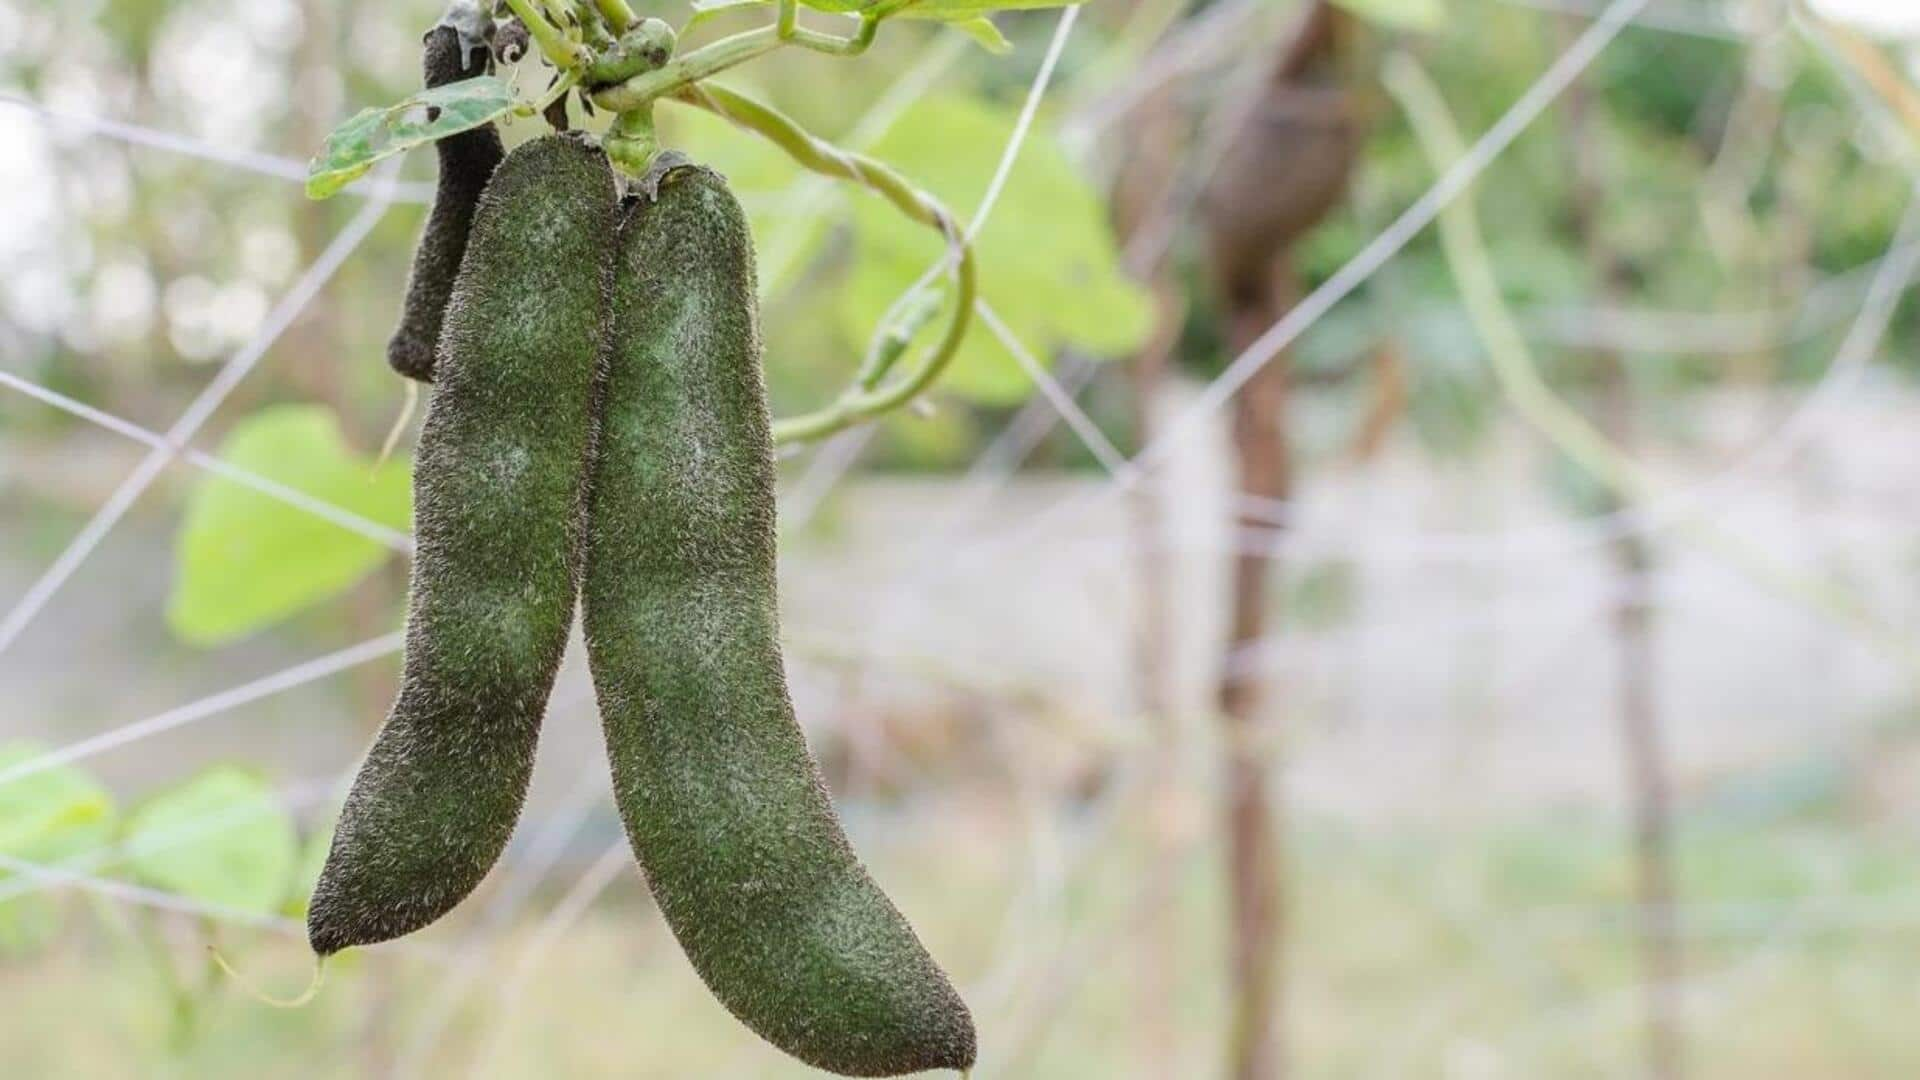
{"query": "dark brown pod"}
pixel 467 162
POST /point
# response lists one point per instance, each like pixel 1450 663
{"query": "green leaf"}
pixel 1047 260
pixel 985 33
pixel 45 817
pixel 244 561
pixel 221 838
pixel 52 814
pixel 363 140
pixel 1418 15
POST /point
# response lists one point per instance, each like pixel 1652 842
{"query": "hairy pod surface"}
pixel 723 803
pixel 498 494
pixel 467 162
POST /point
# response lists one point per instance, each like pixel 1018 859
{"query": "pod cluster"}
pixel 598 428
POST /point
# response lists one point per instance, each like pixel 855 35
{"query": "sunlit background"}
pixel 1533 610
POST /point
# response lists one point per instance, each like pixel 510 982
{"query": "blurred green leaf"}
pixel 930 443
pixel 1422 15
pixel 221 838
pixel 244 561
pixel 372 134
pixel 984 33
pixel 1048 263
pixel 45 817
pixel 51 814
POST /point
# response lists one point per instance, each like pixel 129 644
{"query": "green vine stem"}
pixel 1531 396
pixel 552 94
pixel 560 52
pixel 728 52
pixel 686 70
pixel 617 14
pixel 632 142
pixel 593 26
pixel 859 402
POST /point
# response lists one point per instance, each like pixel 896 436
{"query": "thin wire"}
pixel 1348 278
pixel 107 854
pixel 1091 436
pixel 146 897
pixel 1003 169
pixel 1695 23
pixel 202 407
pixel 995 464
pixel 822 484
pixel 1396 236
pixel 1551 539
pixel 471 960
pixel 1197 41
pixel 823 474
pixel 381 187
pixel 597 879
pixel 1894 276
pixel 1042 79
pixel 273 489
pixel 1857 349
pixel 208 707
pixel 803 198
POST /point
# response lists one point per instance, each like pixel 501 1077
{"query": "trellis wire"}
pixel 1090 434
pixel 848 448
pixel 211 706
pixel 579 899
pixel 1384 246
pixel 377 187
pixel 273 489
pixel 55 877
pixel 197 413
pixel 469 962
pixel 293 796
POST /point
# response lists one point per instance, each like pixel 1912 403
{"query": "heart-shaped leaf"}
pixel 222 838
pixel 51 814
pixel 45 817
pixel 244 561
